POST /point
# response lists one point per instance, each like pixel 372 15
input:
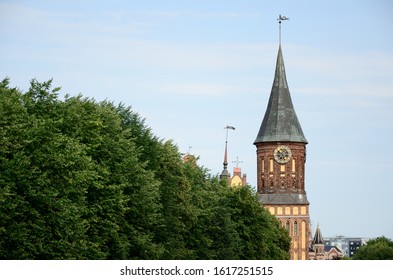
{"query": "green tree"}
pixel 123 203
pixel 81 179
pixel 262 237
pixel 42 201
pixel 72 185
pixel 211 233
pixel 380 248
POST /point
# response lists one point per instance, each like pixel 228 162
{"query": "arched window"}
pixel 271 165
pixel 287 227
pixel 295 229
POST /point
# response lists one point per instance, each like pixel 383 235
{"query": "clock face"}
pixel 282 154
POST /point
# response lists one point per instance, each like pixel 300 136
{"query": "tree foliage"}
pixel 380 248
pixel 81 179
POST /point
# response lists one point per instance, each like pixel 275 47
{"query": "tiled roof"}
pixel 283 198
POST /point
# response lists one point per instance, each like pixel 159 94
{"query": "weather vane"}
pixel 228 127
pixel 225 173
pixel 281 18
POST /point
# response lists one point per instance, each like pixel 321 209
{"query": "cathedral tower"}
pixel 281 157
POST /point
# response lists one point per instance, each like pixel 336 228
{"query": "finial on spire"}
pixel 281 18
pixel 225 156
pixel 237 161
pixel 225 172
pixel 226 141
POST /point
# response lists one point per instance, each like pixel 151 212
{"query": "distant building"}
pixel 238 179
pixel 319 250
pixel 189 158
pixel 348 245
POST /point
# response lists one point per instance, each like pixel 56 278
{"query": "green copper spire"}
pixel 280 123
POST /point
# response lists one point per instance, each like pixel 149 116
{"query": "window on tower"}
pixel 293 183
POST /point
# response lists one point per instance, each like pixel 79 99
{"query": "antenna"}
pixel 280 18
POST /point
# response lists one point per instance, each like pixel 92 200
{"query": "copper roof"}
pixel 280 122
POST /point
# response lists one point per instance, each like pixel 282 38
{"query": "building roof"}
pixel 283 199
pixel 280 122
pixel 329 248
pixel 318 239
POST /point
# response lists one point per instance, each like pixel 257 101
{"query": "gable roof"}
pixel 330 249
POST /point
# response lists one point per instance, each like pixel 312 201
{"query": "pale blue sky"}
pixel 193 67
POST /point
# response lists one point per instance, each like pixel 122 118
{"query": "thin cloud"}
pixel 340 64
pixel 341 163
pixel 205 89
pixel 187 14
pixel 366 88
pixel 62 24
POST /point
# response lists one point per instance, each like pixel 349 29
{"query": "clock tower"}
pixel 281 158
